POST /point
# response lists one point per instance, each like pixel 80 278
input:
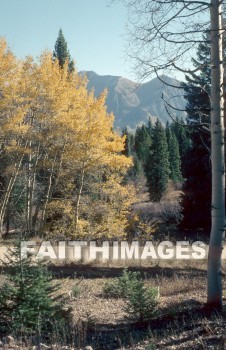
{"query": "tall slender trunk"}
pixel 60 164
pixel 32 168
pixel 79 193
pixel 48 194
pixel 29 190
pixel 7 219
pixel 214 288
pixel 7 193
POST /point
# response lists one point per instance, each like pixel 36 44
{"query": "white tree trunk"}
pixel 8 191
pixel 48 194
pixel 214 297
pixel 79 193
pixel 29 189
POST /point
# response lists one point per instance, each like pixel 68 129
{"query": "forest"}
pixel 67 175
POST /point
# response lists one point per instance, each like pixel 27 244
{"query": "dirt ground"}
pixel 182 323
pixel 100 322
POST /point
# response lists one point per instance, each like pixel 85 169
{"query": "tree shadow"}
pixel 89 271
pixel 190 318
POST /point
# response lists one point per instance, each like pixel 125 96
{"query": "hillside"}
pixel 133 103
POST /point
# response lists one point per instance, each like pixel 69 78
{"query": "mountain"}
pixel 133 103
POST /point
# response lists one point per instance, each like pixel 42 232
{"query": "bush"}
pixel 141 303
pixel 29 303
pixel 171 212
pixel 121 286
pixel 75 291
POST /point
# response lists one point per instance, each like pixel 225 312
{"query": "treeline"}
pixel 62 166
pixel 65 172
pixel 181 152
pixel 159 153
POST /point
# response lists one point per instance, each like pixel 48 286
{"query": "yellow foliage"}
pixel 59 218
pixel 49 116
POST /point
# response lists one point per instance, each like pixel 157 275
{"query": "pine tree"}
pixel 141 303
pixel 27 301
pixel 196 201
pixel 129 142
pixel 182 134
pixel 142 143
pixel 157 168
pixel 137 170
pixel 174 156
pixel 62 53
pixel 167 130
pixel 149 126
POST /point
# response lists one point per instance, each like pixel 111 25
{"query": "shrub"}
pixel 171 212
pixel 121 286
pixel 75 291
pixel 141 302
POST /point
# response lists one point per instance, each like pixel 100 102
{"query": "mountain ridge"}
pixel 134 103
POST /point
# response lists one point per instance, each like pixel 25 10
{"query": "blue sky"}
pixel 94 31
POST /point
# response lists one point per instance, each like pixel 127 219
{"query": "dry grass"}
pixel 178 282
pixel 101 322
pixel 182 292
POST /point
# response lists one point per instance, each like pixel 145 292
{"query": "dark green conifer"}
pixel 157 167
pixel 149 126
pixel 62 53
pixel 196 201
pixel 129 142
pixel 182 134
pixel 174 156
pixel 28 300
pixel 142 143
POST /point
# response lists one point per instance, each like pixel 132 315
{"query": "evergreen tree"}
pixel 168 132
pixel 157 168
pixel 27 301
pixel 62 53
pixel 141 303
pixel 142 143
pixel 129 142
pixel 174 156
pixel 137 170
pixel 196 201
pixel 149 126
pixel 182 134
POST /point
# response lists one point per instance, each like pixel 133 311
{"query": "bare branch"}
pixel 176 121
pixel 189 71
pixel 164 82
pixel 174 108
